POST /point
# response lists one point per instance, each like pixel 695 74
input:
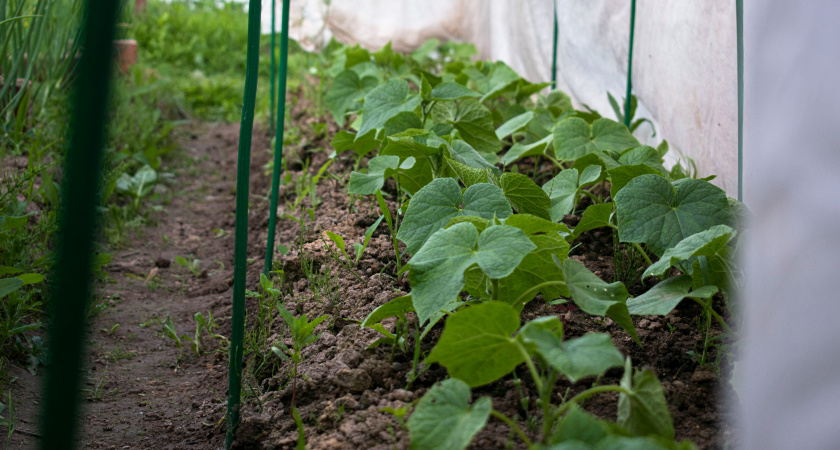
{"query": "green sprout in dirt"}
pixel 303 334
pixel 190 263
pixel 393 226
pixel 206 324
pixel 347 262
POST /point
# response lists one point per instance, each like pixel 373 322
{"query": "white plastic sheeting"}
pixel 685 60
pixel 789 377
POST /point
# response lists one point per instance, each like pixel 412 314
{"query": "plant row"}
pixel 485 167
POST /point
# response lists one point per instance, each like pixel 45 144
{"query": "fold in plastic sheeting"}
pixel 684 71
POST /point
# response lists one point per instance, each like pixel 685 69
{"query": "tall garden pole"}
pixel 77 225
pixel 278 141
pixel 630 64
pixel 273 68
pixel 241 234
pixel 554 51
pixel 739 19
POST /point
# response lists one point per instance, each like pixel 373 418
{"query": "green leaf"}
pixel 425 49
pixel 536 268
pixel 346 91
pixel 578 425
pixel 596 297
pixel 30 278
pixel 590 354
pixel 519 150
pixel 479 223
pixel 9 285
pixel 397 306
pixel 574 138
pixel 450 90
pixel 405 120
pixel 500 79
pixel 645 411
pixel 595 216
pixel 525 196
pixel 360 145
pixel 557 102
pixel 653 211
pixel 433 205
pixel 475 124
pixel 379 168
pixel 469 175
pixel 425 147
pixel 643 155
pixel 704 243
pixel 564 188
pixel 517 123
pixel 386 101
pixel 463 152
pixel 443 419
pixel 620 176
pixel 476 344
pixel 7 270
pixel 437 269
pixel 532 225
pixel 665 296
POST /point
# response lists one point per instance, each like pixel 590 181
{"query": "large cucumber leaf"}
pixel 435 204
pixel 654 211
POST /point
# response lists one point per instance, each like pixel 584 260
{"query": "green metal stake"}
pixel 241 236
pixel 554 52
pixel 630 64
pixel 278 141
pixel 273 68
pixel 74 255
pixel 739 18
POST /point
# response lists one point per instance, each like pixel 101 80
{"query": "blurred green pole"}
pixel 739 26
pixel 77 227
pixel 273 68
pixel 241 234
pixel 630 64
pixel 554 52
pixel 278 140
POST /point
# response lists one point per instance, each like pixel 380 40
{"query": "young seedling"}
pixel 207 324
pixel 393 225
pixel 303 334
pixel 347 262
pixel 192 264
pixel 465 348
pixel 170 332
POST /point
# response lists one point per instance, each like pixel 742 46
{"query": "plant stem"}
pixel 538 382
pixel 592 196
pixel 545 399
pixel 586 394
pixel 714 313
pixel 524 297
pixel 494 286
pixel 636 245
pixel 513 426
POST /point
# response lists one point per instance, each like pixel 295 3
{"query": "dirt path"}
pixel 137 397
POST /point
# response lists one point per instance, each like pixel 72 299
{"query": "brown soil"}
pixel 147 400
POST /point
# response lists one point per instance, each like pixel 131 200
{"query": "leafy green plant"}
pixel 302 334
pixel 190 263
pixel 483 343
pixel 170 332
pixel 359 248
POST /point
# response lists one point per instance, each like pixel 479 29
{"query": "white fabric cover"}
pixel 789 379
pixel 684 70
